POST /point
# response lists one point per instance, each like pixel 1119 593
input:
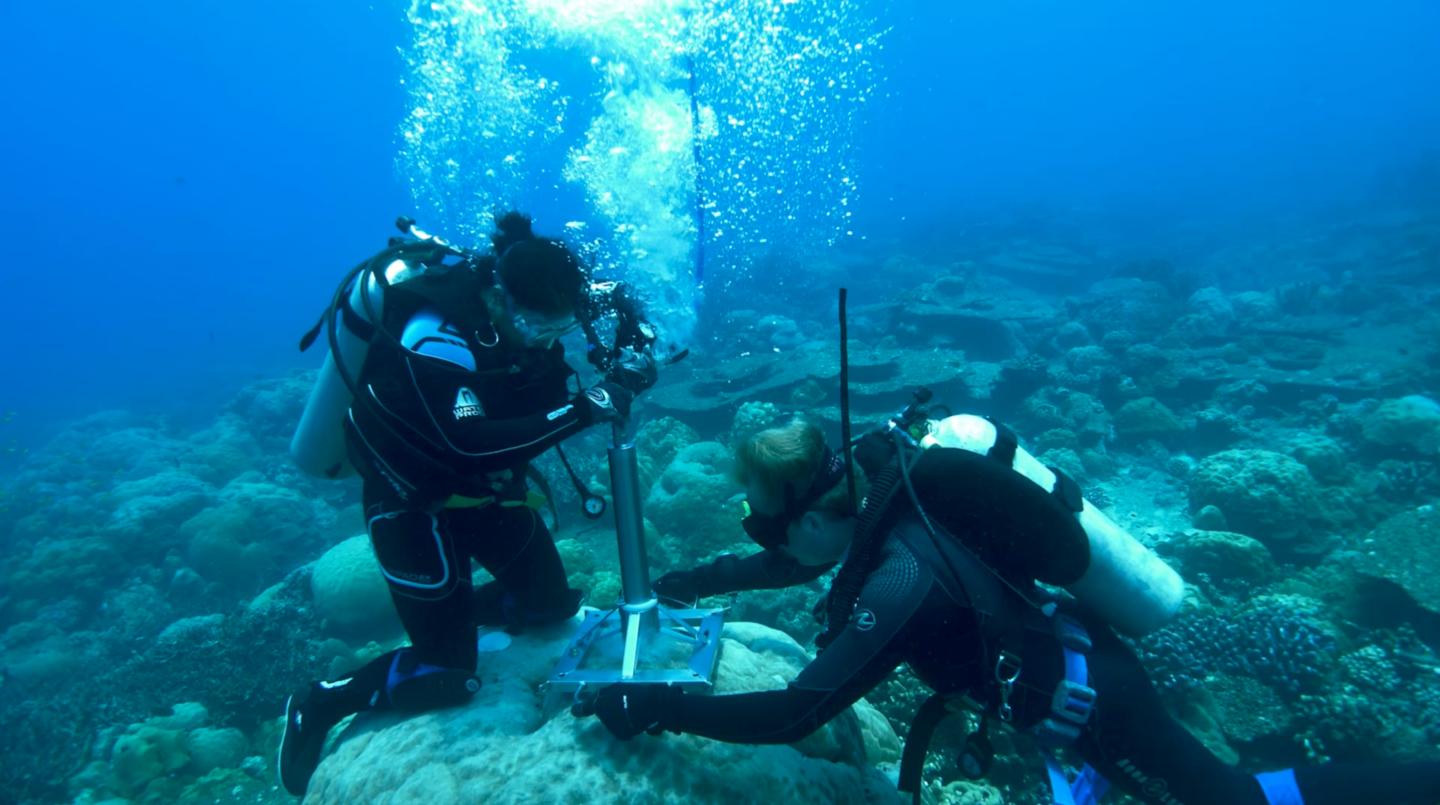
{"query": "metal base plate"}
pixel 635 640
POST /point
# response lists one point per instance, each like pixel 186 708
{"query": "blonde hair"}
pixel 791 454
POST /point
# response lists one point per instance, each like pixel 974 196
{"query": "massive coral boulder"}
pixel 257 529
pixel 350 591
pixel 1263 494
pixel 1148 418
pixel 1402 550
pixel 1409 422
pixel 691 501
pixel 1221 555
pixel 512 744
pixel 658 442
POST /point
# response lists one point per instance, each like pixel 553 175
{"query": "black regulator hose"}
pixel 850 579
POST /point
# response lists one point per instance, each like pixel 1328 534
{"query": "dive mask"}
pixel 537 329
pixel 772 531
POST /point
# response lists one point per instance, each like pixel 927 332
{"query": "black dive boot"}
pixel 309 717
pixel 310 714
pixel 397 679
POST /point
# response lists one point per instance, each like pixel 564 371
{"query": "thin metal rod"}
pixel 845 402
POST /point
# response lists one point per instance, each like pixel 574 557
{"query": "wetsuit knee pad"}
pixel 414 685
pixel 415 554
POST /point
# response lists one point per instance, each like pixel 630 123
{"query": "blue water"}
pixel 183 181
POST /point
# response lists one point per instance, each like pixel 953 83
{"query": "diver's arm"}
pixel 874 643
pixel 779 716
pixel 520 438
pixel 506 441
pixel 762 570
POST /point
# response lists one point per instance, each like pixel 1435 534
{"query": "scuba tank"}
pixel 1123 582
pixel 318 445
pixel 351 323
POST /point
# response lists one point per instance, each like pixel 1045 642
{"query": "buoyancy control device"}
pixel 1117 577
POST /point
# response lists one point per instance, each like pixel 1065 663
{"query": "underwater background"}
pixel 1190 255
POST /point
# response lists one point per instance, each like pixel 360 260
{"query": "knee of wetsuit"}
pixel 415 685
pixel 561 607
pixel 494 606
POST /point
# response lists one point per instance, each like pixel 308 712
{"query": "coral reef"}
pixel 1279 640
pixel 1277 445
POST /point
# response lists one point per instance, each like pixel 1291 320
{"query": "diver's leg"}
pixel 1137 746
pixel 1347 783
pixel 1140 749
pixel 432 598
pixel 530 586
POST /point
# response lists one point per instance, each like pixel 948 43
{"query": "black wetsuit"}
pixel 446 418
pixel 443 450
pixel 433 432
pixel 912 610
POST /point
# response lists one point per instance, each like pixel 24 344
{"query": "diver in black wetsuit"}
pixel 445 418
pixel 905 596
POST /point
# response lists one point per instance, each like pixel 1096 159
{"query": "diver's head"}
pixel 541 280
pixel 796 493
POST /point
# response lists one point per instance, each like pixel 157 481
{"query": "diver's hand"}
pixel 873 451
pixel 636 371
pixel 608 402
pixel 682 586
pixel 629 709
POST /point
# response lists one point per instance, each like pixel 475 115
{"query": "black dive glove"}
pixel 636 371
pixel 608 402
pixel 683 586
pixel 873 451
pixel 628 710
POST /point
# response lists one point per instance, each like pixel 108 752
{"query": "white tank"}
pixel 1126 583
pixel 318 446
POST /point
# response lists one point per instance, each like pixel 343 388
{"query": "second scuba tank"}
pixel 318 445
pixel 1125 583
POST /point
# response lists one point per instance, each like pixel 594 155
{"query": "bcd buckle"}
pixel 1073 702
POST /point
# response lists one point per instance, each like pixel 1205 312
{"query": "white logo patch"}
pixel 467 404
pixel 864 620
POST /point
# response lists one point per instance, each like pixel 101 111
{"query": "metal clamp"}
pixel 1007 671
